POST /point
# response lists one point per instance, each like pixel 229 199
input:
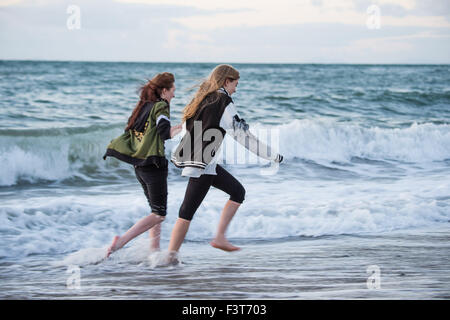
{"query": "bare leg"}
pixel 178 234
pixel 155 236
pixel 176 239
pixel 139 227
pixel 220 242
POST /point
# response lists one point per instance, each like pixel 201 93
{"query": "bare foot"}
pixel 172 258
pixel 223 245
pixel 112 248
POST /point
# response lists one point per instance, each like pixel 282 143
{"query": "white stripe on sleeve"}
pixel 161 117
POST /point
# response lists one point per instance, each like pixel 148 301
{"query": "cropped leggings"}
pixel 154 183
pixel 197 189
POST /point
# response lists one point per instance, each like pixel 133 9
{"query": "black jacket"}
pixel 202 139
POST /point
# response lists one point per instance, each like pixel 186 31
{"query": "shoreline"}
pixel 413 264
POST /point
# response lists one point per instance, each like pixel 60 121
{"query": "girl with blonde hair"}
pixel 206 120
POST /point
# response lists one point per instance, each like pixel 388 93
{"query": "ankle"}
pixel 220 237
pixel 118 245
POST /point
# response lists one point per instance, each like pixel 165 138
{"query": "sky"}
pixel 231 31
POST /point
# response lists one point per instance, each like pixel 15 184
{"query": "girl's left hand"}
pixel 174 130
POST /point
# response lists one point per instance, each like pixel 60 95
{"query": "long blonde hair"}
pixel 215 81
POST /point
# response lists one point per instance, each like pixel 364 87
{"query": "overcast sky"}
pixel 278 31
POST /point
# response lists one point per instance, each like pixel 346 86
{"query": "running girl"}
pixel 212 112
pixel 142 145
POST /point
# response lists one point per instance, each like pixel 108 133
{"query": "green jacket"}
pixel 143 144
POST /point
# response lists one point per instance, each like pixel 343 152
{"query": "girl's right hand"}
pixel 279 158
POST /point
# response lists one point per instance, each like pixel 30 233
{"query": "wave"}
pixel 410 98
pixel 30 156
pixel 52 132
pixel 64 223
pixel 328 140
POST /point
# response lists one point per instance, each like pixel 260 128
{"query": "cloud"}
pixel 233 31
pixel 199 4
pixel 22 3
pixel 288 12
pixel 419 47
pixel 5 3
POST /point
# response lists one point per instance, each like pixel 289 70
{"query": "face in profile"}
pixel 230 86
pixel 168 94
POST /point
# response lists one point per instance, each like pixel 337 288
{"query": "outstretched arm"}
pixel 239 130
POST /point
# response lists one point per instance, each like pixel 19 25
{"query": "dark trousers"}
pixel 154 183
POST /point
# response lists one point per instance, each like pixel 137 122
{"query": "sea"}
pixel 358 209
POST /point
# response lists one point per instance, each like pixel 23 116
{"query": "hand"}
pixel 174 130
pixel 279 158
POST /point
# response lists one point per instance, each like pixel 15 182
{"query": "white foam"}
pixel 59 157
pixel 63 224
pixel 84 257
pixel 137 252
pixel 18 163
pixel 331 141
pixel 53 157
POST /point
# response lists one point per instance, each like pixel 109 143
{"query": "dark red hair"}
pixel 151 92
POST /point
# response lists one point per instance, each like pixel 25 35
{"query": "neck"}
pixel 226 91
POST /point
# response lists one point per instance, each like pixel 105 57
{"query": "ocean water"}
pixel 365 182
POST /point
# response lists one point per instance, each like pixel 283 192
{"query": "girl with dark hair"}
pixel 142 145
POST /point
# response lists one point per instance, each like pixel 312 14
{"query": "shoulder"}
pixel 214 104
pixel 160 106
pixel 225 97
pixel 211 98
pixel 217 97
pixel 210 103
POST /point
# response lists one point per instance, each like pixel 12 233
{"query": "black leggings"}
pixel 154 183
pixel 197 189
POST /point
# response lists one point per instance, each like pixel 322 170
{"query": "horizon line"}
pixel 231 62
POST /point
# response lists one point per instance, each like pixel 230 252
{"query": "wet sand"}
pixel 413 264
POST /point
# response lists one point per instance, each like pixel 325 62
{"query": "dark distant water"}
pixel 366 147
